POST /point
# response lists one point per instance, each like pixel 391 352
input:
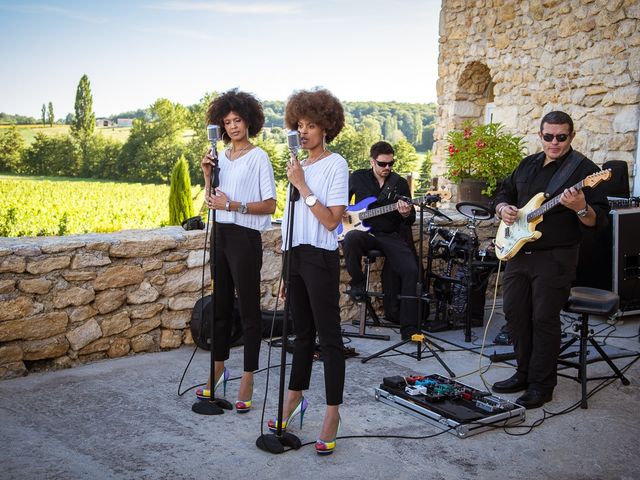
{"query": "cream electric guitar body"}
pixel 511 238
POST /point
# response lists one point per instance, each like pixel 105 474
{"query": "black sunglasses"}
pixel 385 164
pixel 548 137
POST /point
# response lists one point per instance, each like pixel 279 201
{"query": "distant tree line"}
pixel 166 131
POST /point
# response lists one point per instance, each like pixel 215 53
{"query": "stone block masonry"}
pixel 69 300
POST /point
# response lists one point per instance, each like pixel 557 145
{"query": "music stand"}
pixel 420 297
pixel 474 212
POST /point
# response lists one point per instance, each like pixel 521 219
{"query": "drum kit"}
pixel 457 270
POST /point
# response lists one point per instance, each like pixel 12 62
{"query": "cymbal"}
pixel 474 211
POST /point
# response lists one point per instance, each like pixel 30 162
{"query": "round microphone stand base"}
pixel 272 443
pixel 217 406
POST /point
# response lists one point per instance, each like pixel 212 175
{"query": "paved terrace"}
pixel 123 419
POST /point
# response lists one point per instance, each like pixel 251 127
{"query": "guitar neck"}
pixel 545 207
pixel 378 211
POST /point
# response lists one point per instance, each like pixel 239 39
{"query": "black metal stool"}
pixel 366 307
pixel 586 301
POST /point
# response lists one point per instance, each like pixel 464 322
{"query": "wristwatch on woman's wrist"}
pixel 583 212
pixel 310 200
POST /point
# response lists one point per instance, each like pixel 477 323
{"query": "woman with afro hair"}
pixel 323 183
pixel 244 202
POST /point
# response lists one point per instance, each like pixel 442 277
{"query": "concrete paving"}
pixel 123 419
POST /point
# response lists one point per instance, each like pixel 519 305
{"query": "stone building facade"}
pixel 513 61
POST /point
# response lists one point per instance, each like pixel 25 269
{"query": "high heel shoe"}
pixel 302 406
pixel 205 393
pixel 327 448
pixel 243 406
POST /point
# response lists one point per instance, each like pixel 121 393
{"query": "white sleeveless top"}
pixel 248 178
pixel 328 179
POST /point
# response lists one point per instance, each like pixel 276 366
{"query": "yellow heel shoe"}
pixel 205 393
pixel 327 448
pixel 302 406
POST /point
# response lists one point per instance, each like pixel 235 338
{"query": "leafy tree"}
pixel 153 146
pixel 424 182
pixel 69 119
pixel 11 147
pixel 50 117
pixel 44 114
pixel 198 144
pixel 180 202
pixel 85 121
pixel 406 157
pixel 101 159
pixel 56 155
pixel 427 137
pixel 389 128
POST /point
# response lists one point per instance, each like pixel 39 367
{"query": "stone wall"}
pixel 530 57
pixel 69 300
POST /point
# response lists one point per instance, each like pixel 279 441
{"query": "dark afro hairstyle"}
pixel 318 106
pixel 244 104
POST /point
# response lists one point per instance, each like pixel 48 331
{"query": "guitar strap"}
pixel 389 187
pixel 563 173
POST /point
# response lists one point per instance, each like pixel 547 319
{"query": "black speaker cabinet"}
pixel 625 272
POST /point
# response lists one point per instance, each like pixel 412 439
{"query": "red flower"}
pixel 452 149
pixel 467 133
pixel 480 144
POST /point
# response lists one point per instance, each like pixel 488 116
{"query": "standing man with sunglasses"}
pixel 390 233
pixel 537 280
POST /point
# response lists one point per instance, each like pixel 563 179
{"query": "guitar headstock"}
pixel 443 194
pixel 595 178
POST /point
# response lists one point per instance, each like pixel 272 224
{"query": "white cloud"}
pixel 50 9
pixel 257 8
pixel 175 32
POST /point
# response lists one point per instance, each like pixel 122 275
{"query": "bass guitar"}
pixel 354 216
pixel 511 238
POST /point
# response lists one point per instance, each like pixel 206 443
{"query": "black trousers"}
pixel 314 300
pixel 536 287
pixel 398 255
pixel 238 256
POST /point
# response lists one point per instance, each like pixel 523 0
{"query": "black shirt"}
pixel 363 184
pixel 560 226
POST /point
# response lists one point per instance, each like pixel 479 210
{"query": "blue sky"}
pixel 135 52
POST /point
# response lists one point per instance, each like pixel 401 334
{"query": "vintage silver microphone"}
pixel 293 142
pixel 213 134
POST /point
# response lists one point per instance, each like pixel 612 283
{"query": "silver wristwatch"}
pixel 583 212
pixel 243 208
pixel 310 200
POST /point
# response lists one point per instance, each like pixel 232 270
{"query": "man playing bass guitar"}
pixel 538 278
pixel 390 233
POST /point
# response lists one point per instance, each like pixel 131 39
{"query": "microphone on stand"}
pixel 293 142
pixel 213 134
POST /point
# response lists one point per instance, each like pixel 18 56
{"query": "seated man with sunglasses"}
pixel 389 232
pixel 537 280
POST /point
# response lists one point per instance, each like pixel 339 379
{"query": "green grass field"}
pixel 37 206
pixel 29 132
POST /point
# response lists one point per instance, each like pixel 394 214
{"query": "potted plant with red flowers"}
pixel 480 156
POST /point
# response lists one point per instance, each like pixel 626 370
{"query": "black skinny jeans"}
pixel 238 255
pixel 314 301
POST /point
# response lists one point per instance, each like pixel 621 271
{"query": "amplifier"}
pixel 626 258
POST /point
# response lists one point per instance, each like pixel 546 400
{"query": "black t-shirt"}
pixel 560 226
pixel 363 184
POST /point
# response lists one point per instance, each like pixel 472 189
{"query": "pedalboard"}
pixel 461 409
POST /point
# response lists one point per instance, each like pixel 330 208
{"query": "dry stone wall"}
pixel 530 57
pixel 69 300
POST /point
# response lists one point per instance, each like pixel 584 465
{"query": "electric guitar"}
pixel 511 238
pixel 355 214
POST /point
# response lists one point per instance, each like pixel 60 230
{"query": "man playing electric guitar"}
pixel 538 278
pixel 390 233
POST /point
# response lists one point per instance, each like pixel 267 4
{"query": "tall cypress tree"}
pixel 180 202
pixel 50 116
pixel 44 114
pixel 85 121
